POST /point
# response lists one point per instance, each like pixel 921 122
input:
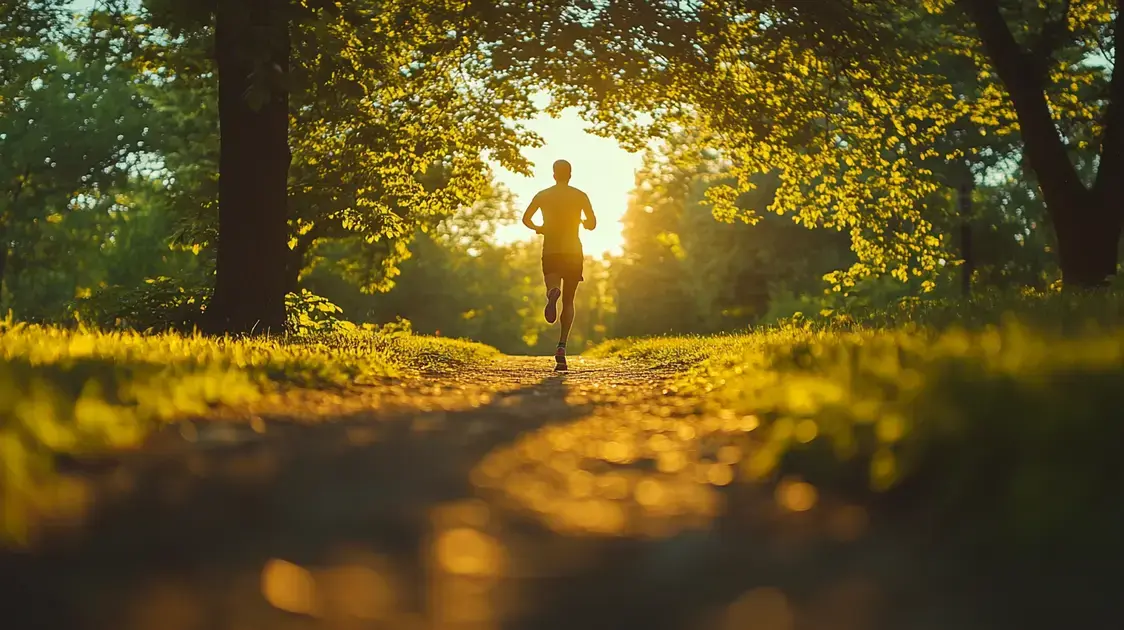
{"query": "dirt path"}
pixel 506 497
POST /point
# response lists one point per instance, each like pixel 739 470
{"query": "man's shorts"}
pixel 569 266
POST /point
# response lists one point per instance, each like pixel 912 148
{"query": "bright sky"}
pixel 601 168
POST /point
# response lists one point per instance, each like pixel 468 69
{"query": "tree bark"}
pixel 1087 222
pixel 252 54
pixel 3 259
pixel 1088 245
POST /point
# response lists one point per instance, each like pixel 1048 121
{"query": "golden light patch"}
pixel 469 552
pixel 764 608
pixel 289 587
pixel 796 496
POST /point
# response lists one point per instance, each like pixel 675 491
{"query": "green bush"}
pixel 160 305
pixel 1070 311
pixel 166 305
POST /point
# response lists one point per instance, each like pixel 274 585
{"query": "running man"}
pixel 562 208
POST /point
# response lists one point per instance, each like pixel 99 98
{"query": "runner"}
pixel 563 207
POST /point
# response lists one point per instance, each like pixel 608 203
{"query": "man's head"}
pixel 562 172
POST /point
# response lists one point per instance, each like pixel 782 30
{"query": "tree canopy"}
pixel 858 118
pixel 851 105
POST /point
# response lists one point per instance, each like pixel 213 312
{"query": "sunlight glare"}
pixel 604 170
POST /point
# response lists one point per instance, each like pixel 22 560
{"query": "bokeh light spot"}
pixel 729 454
pixel 719 474
pixel 671 461
pixel 764 608
pixel 795 495
pixel 806 431
pixel 289 587
pixel 890 428
pixel 465 551
pixel 650 492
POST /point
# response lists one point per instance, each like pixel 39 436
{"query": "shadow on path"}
pixel 371 521
pixel 184 533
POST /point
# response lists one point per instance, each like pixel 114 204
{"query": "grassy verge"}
pixel 1010 430
pixel 75 391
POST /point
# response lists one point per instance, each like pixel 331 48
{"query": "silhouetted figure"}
pixel 562 208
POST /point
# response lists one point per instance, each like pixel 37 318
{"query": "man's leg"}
pixel 553 291
pixel 569 289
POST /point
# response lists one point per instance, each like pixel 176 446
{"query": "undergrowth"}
pixel 1006 414
pixel 70 391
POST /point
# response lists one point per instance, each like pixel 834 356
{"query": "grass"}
pixel 1063 313
pixel 77 391
pixel 1007 417
pixel 1002 412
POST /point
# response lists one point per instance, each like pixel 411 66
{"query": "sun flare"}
pixel 604 170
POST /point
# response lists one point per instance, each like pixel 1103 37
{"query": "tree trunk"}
pixel 3 262
pixel 1087 222
pixel 252 54
pixel 1088 245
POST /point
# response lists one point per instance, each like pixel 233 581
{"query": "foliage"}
pixel 1005 423
pixel 161 304
pixel 71 132
pixel 863 111
pixel 672 241
pixel 390 129
pixel 82 391
pixel 1072 312
pixel 310 314
pixel 493 294
pixel 459 282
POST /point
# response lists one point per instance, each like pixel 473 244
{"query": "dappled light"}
pixel 620 472
pixel 797 496
pixel 289 587
pixel 543 314
pixel 765 607
pixel 465 551
pixel 81 392
pixel 341 592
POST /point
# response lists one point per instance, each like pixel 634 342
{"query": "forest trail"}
pixel 508 496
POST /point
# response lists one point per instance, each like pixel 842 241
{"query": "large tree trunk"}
pixel 1087 220
pixel 252 54
pixel 1088 245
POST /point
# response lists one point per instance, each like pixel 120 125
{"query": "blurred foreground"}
pixel 511 497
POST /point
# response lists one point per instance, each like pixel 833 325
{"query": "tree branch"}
pixel 1053 35
pixel 1045 148
pixel 1009 58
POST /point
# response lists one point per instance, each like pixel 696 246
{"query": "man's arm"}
pixel 590 218
pixel 532 208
